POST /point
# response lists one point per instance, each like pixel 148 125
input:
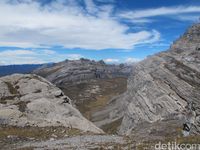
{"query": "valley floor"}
pixel 92 96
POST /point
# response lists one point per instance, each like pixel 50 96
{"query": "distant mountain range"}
pixel 71 71
pixel 26 68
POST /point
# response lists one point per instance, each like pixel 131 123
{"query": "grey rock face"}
pixel 165 85
pixel 71 71
pixel 29 100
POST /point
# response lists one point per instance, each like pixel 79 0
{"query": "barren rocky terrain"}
pixel 29 100
pixel 163 86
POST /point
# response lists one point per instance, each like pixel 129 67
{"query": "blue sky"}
pixel 113 30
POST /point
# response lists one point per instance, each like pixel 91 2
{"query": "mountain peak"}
pixel 189 41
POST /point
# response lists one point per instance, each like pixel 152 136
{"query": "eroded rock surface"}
pixel 29 100
pixel 165 86
pixel 74 71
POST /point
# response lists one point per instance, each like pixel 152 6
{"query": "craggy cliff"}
pixel 165 86
pixel 71 71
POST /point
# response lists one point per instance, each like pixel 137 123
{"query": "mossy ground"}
pixel 40 133
pixel 88 102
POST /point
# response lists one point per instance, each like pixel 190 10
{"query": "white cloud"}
pixel 2 62
pixel 194 18
pixel 156 37
pixel 30 25
pixel 9 53
pixel 74 56
pixel 162 11
pixel 8 57
pixel 111 60
pixel 131 60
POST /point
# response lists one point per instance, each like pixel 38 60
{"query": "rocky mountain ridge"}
pixel 71 71
pixel 163 86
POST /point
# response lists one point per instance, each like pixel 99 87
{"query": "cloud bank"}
pixel 66 23
pixel 178 12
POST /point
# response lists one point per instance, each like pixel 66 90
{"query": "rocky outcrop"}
pixel 77 71
pixel 29 100
pixel 165 85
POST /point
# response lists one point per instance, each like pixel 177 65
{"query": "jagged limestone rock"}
pixel 74 71
pixel 162 86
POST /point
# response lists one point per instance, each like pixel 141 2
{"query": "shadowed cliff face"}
pixel 165 86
